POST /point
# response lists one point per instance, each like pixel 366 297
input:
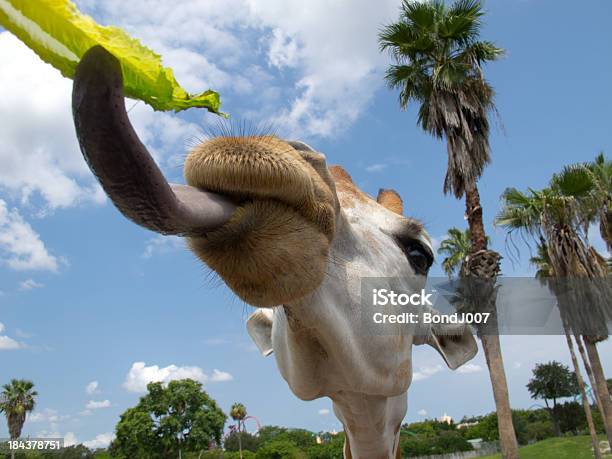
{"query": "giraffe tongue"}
pixel 122 164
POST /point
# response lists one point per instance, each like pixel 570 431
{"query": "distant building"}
pixel 464 425
pixel 446 418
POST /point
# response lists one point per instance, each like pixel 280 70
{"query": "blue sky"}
pixel 85 295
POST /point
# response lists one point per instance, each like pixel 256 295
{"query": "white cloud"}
pixel 39 152
pixel 283 50
pixel 220 376
pixel 323 411
pixel 426 372
pixel 336 78
pixel 162 244
pixel 70 439
pixel 101 441
pixel 140 375
pixel 288 72
pixel 46 415
pixel 20 246
pixel 29 284
pixel 379 167
pixel 96 405
pixel 517 364
pixel 39 155
pixel 469 368
pixel 92 388
pixel 314 85
pixel 7 343
pixel 422 412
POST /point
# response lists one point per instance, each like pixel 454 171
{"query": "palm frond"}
pixel 520 211
pixel 456 247
pixel 438 60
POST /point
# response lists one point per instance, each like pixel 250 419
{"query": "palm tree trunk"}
pixel 239 439
pixel 495 363
pixel 601 386
pixel 490 343
pixel 589 372
pixel 585 400
pixel 473 212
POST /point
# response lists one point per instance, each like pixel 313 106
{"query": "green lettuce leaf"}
pixel 60 35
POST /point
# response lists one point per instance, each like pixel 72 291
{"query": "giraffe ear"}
pixel 259 327
pixel 456 346
pixel 390 200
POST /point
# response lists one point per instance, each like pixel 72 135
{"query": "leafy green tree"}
pixel 438 63
pixel 246 442
pixel 572 418
pixel 17 399
pixel 168 421
pixel 450 441
pixel 279 449
pixel 443 442
pixel 220 454
pixel 553 381
pixel 333 449
pixel 539 430
pixel 301 437
pixel 74 452
pixel 268 433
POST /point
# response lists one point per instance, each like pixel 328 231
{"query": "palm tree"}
pixel 456 248
pixel 590 186
pixel 542 262
pixel 16 400
pixel 601 195
pixel 238 412
pixel 553 217
pixel 438 64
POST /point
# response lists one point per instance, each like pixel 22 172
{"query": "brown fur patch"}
pixel 348 193
pixel 340 175
pixel 391 200
pixel 268 253
pixel 274 249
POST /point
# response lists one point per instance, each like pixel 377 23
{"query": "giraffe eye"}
pixel 419 256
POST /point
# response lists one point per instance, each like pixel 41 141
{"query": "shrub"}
pixel 446 441
pixel 539 430
pixel 332 450
pixel 279 449
pixel 249 442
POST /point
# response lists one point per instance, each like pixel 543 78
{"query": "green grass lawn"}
pixel 557 448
